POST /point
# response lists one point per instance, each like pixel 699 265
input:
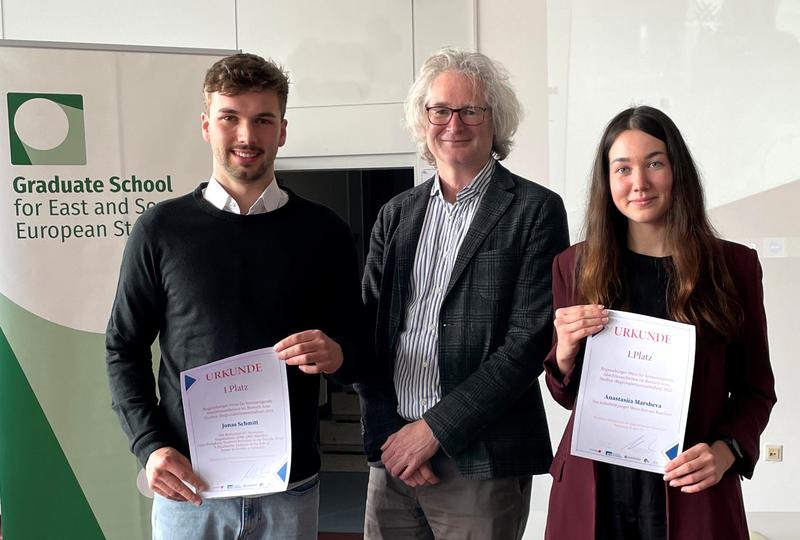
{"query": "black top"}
pixel 211 284
pixel 632 504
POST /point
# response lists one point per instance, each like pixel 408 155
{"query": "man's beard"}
pixel 242 173
pixel 246 174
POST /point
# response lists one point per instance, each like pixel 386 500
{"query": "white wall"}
pixel 200 23
pixel 352 63
pixel 514 32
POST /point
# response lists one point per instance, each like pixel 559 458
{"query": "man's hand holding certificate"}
pixel 634 392
pixel 238 424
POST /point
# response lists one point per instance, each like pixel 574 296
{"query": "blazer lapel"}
pixel 409 228
pixel 493 205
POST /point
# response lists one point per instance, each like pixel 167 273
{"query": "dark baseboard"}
pixel 336 536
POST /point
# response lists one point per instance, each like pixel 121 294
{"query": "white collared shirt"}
pixel 271 199
pixel 416 373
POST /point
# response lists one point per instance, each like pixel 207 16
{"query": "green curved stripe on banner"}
pixel 40 495
pixel 65 371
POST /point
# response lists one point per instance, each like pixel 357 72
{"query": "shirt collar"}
pixel 271 199
pixel 477 185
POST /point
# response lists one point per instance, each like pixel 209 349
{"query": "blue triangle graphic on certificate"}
pixel 672 453
pixel 282 472
pixel 188 381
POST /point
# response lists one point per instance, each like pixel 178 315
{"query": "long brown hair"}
pixel 700 289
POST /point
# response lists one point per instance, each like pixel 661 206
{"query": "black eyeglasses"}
pixel 470 116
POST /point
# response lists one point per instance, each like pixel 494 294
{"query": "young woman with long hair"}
pixel 649 248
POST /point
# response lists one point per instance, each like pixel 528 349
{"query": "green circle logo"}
pixel 46 129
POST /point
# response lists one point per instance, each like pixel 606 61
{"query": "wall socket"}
pixel 773 452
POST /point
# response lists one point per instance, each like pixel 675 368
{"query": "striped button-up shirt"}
pixel 416 373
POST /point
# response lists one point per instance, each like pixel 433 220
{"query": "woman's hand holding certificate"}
pixel 699 467
pixel 573 324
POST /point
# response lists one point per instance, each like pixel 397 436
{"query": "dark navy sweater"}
pixel 211 284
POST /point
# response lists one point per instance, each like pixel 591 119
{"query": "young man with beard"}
pixel 237 265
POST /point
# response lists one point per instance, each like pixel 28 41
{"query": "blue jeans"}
pixel 293 514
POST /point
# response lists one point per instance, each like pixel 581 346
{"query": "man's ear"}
pixel 282 139
pixel 204 125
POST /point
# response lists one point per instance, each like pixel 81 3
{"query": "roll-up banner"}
pixel 89 140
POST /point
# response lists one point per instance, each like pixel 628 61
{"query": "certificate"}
pixel 634 392
pixel 238 424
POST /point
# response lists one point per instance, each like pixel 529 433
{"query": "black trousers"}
pixel 631 504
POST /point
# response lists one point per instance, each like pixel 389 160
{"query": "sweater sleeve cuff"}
pixel 150 444
pixel 551 369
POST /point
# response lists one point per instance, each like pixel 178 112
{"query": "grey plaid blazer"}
pixel 495 326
